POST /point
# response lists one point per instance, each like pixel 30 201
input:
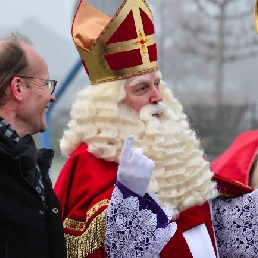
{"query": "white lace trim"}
pixel 131 232
pixel 235 223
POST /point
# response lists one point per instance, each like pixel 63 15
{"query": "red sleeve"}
pixel 84 187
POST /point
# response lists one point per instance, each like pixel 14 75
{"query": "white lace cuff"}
pixel 235 224
pixel 131 232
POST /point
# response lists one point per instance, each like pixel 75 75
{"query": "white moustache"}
pixel 152 109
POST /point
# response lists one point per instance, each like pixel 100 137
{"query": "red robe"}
pixel 236 162
pixel 84 188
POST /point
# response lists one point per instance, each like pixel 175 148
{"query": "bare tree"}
pixel 218 31
pixel 186 76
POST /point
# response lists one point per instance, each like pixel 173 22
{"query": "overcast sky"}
pixel 54 13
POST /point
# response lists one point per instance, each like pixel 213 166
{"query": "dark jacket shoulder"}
pixel 28 229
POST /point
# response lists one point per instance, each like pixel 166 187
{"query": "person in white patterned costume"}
pixel 158 199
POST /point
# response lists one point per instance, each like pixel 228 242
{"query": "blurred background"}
pixel 208 54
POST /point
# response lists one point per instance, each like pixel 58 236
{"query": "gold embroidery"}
pixel 80 226
pixel 123 77
pixel 74 225
pixel 89 241
pixel 95 208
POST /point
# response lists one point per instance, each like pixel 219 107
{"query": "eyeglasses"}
pixel 51 84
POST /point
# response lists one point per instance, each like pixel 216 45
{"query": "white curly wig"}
pixel 101 118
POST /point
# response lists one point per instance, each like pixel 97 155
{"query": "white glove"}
pixel 135 169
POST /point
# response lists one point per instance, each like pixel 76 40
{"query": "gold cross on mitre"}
pixel 142 42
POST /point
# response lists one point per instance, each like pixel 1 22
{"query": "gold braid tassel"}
pixel 91 240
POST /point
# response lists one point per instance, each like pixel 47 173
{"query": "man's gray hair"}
pixel 18 37
pixel 13 59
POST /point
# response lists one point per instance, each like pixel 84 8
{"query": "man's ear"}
pixel 16 91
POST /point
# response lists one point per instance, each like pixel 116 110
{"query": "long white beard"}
pixel 181 178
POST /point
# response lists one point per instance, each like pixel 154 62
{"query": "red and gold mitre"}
pixel 117 48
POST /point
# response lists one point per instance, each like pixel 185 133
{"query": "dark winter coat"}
pixel 27 228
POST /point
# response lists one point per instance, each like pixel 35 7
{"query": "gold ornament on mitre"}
pixel 256 15
pixel 119 47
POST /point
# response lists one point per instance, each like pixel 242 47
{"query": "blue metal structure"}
pixel 45 138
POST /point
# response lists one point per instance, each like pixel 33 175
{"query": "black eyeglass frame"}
pixel 51 84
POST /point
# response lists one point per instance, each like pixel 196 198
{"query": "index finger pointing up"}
pixel 126 151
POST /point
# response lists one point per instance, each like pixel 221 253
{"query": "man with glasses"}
pixel 30 222
pixel 51 84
